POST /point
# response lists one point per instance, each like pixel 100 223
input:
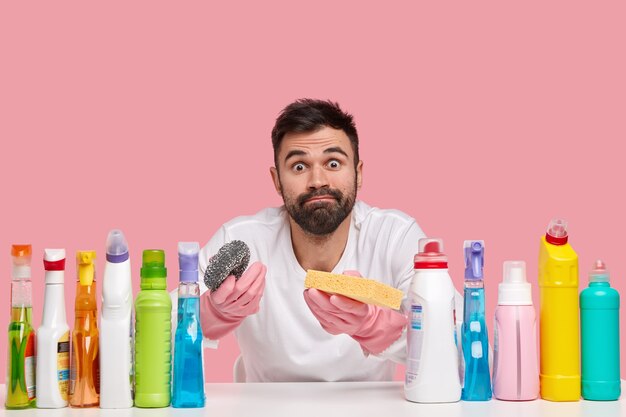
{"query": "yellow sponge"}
pixel 361 289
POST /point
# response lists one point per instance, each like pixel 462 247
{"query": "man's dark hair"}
pixel 309 115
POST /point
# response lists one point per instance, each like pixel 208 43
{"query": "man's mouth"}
pixel 320 198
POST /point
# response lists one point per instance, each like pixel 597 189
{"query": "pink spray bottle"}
pixel 515 366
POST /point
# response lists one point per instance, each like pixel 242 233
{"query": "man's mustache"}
pixel 322 192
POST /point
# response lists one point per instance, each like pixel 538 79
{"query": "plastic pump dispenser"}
pixel 477 381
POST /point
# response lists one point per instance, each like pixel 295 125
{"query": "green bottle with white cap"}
pixel 153 341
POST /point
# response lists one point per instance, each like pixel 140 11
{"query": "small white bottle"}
pixel 53 336
pixel 116 330
pixel 432 373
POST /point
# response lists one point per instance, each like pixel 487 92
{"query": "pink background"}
pixel 481 120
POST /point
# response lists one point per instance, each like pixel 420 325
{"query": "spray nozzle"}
pixel 85 264
pixel 188 261
pixel 474 259
pixel 557 232
pixel 22 255
pixel 599 273
pixel 117 247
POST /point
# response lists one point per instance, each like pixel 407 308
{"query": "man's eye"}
pixel 298 167
pixel 334 164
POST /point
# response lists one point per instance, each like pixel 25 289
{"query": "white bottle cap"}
pixel 514 290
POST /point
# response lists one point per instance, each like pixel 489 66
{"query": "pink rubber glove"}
pixel 374 327
pixel 223 310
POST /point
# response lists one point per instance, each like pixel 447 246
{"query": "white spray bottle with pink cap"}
pixel 515 366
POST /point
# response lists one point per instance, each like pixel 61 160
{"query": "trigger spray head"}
pixel 85 260
pixel 474 259
pixel 188 261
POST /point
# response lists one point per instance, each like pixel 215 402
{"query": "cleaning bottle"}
pixel 20 382
pixel 85 364
pixel 599 324
pixel 53 336
pixel 558 316
pixel 116 326
pixel 515 362
pixel 432 374
pixel 153 329
pixel 188 386
pixel 477 381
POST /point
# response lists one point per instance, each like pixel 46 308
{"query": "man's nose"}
pixel 318 178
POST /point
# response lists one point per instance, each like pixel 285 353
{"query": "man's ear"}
pixel 359 174
pixel 275 179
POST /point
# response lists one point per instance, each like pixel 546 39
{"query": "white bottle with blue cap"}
pixel 116 329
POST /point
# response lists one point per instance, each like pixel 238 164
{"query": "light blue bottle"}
pixel 475 343
pixel 599 324
pixel 188 385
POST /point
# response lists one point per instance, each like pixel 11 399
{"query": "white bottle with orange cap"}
pixel 432 374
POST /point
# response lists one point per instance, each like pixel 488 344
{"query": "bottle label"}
pixel 414 343
pixel 30 365
pixel 63 365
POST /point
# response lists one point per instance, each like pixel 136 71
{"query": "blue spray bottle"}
pixel 477 381
pixel 188 385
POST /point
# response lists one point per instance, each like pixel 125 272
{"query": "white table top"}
pixel 345 399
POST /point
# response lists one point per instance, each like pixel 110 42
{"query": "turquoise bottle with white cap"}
pixel 599 324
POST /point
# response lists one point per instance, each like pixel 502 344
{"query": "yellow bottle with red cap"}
pixel 559 317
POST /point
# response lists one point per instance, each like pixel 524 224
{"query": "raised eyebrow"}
pixel 295 152
pixel 336 149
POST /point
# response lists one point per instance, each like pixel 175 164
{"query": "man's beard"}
pixel 320 218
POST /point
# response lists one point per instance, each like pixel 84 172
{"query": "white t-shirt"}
pixel 284 341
